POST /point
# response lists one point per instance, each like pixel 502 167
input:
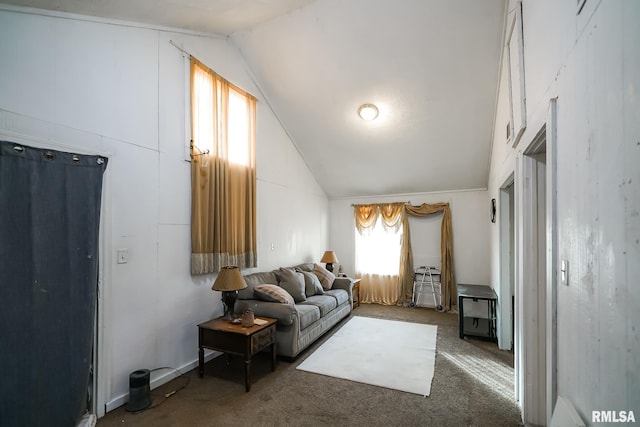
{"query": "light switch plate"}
pixel 123 256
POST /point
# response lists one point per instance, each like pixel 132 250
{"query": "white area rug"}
pixel 385 353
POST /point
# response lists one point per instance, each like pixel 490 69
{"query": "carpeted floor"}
pixel 472 386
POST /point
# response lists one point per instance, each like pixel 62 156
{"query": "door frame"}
pixel 530 293
pixel 506 238
pixel 552 258
pixel 536 314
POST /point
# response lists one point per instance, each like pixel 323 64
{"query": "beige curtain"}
pixel 223 187
pixel 366 216
pixel 448 283
pixel 379 288
pixel 391 214
pixel 375 287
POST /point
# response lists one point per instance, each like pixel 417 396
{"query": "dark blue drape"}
pixel 49 224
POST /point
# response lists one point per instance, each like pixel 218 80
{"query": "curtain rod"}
pixel 180 48
pixel 357 204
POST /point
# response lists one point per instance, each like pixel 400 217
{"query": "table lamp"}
pixel 329 257
pixel 229 281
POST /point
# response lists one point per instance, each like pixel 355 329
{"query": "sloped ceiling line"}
pixel 264 97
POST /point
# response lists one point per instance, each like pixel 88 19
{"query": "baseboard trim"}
pixel 161 379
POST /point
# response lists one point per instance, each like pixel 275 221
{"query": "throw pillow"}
pixel 293 283
pixel 273 293
pixel 325 276
pixel 312 284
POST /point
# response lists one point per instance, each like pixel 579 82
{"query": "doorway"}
pixel 507 263
pixel 51 291
pixel 96 386
pixel 535 278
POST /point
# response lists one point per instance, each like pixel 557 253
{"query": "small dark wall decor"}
pixel 493 210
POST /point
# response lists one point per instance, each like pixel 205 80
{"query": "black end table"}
pixel 472 326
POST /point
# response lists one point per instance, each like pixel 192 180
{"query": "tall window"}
pixel 223 177
pixel 378 248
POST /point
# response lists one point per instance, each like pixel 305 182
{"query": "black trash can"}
pixel 139 390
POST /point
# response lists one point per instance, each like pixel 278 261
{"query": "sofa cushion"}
pixel 325 303
pixel 304 267
pixel 312 284
pixel 285 313
pixel 255 279
pixel 340 295
pixel 274 293
pixel 325 276
pixel 308 314
pixel 293 282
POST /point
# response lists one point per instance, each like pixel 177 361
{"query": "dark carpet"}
pixel 472 386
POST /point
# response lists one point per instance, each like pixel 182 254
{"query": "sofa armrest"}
pixel 345 283
pixel 285 313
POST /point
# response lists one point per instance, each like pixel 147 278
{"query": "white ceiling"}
pixel 210 16
pixel 431 67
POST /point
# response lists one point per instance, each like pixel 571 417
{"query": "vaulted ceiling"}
pixel 430 66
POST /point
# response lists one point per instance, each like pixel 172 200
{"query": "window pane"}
pixel 378 252
pixel 238 130
pixel 203 115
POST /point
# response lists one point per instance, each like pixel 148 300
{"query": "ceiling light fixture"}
pixel 368 112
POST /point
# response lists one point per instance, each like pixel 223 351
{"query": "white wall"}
pixel 469 220
pixel 591 63
pixel 119 89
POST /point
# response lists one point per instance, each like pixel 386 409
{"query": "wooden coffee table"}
pixel 222 335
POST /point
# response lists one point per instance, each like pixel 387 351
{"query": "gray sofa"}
pixel 304 321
